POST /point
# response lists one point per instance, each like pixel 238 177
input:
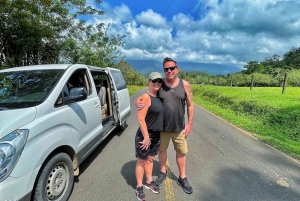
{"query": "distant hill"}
pixel 147 66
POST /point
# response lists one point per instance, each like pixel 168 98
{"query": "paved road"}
pixel 223 163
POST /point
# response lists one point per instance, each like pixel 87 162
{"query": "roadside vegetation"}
pixel 134 89
pixel 47 32
pixel 271 116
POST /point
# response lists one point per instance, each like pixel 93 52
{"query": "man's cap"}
pixel 155 75
pixel 169 59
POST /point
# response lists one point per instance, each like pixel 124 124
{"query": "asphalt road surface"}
pixel 223 163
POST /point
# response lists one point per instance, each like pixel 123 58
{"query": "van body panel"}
pixel 12 119
pixel 46 133
pixel 8 187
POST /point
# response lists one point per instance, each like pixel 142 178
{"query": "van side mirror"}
pixel 76 94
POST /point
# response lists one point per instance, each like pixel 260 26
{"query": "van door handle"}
pixel 97 104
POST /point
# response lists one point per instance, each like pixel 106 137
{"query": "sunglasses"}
pixel 157 80
pixel 171 68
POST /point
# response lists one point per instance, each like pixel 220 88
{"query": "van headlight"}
pixel 11 147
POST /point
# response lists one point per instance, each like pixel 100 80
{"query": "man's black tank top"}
pixel 155 115
pixel 174 100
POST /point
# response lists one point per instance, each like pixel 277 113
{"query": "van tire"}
pixel 58 168
pixel 123 126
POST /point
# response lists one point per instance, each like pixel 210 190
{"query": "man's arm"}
pixel 190 108
pixel 140 103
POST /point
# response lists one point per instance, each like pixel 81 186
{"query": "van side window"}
pixel 119 80
pixel 65 92
pixel 79 78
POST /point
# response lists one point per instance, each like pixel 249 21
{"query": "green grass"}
pixel 271 116
pixel 134 89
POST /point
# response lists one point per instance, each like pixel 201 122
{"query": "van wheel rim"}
pixel 56 181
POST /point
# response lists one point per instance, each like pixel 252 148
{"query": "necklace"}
pixel 151 94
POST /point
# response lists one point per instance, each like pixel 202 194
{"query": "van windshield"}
pixel 22 89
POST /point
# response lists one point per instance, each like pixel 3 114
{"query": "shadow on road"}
pixel 86 163
pixel 248 185
pixel 128 172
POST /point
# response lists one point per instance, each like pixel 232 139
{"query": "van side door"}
pixel 85 115
pixel 121 95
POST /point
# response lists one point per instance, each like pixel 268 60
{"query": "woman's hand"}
pixel 145 144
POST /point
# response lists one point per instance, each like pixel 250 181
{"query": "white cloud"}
pixel 149 18
pixel 123 13
pixel 230 32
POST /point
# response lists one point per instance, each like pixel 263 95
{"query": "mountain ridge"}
pixel 147 66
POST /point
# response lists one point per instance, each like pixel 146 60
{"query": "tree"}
pixel 251 67
pixel 292 58
pixel 39 32
pixel 294 78
pixel 91 45
pixel 241 80
pixel 263 80
pixel 131 77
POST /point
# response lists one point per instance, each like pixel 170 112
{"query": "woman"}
pixel 147 138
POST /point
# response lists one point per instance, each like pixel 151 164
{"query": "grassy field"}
pixel 133 89
pixel 271 116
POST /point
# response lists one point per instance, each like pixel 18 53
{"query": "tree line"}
pixel 268 73
pixel 46 31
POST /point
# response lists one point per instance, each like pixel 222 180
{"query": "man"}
pixel 175 93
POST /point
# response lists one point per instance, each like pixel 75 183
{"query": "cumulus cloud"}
pixel 149 18
pixel 223 31
pixel 123 13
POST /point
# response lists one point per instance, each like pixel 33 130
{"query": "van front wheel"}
pixel 56 179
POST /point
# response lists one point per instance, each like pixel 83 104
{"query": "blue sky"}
pixel 231 32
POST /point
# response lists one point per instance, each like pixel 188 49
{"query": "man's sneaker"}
pixel 185 185
pixel 140 193
pixel 161 178
pixel 153 187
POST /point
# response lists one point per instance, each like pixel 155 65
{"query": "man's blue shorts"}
pixel 152 149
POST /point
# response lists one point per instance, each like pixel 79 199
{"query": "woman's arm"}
pixel 142 123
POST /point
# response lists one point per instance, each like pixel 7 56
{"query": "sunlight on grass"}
pixel 271 116
pixel 134 89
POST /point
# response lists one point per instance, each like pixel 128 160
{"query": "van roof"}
pixel 40 67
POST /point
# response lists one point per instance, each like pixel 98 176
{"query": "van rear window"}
pixel 118 79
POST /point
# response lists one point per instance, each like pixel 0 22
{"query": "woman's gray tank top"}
pixel 174 101
pixel 155 115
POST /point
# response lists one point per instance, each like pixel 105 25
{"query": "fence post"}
pixel 252 80
pixel 284 83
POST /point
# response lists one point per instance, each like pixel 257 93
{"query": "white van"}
pixel 51 118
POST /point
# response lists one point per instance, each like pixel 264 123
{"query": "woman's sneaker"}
pixel 153 187
pixel 140 193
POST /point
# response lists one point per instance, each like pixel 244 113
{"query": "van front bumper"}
pixel 16 189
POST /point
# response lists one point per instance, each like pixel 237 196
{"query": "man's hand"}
pixel 140 104
pixel 187 130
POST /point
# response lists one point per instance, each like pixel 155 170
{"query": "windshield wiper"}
pixel 3 108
